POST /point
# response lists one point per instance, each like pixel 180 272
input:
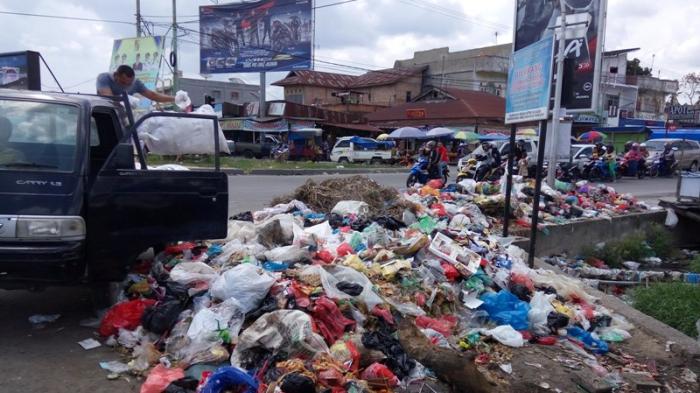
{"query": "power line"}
pixel 67 17
pixel 453 11
pixel 197 16
pixel 452 14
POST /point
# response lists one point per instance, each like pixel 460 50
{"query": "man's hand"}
pixel 152 95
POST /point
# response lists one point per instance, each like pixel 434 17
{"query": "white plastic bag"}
pixel 182 100
pixel 208 321
pixel 241 230
pixel 246 283
pixel 332 275
pixel 288 254
pixel 506 335
pixel 357 208
pixel 469 185
pixel 174 136
pixel 671 218
pixel 189 272
pixel 540 307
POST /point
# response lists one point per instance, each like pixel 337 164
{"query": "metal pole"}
pixel 263 84
pixel 175 65
pixel 138 18
pixel 552 169
pixel 538 191
pixel 509 181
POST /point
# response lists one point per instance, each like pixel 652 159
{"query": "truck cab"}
pixel 74 205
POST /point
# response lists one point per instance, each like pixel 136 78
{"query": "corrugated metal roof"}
pixel 344 81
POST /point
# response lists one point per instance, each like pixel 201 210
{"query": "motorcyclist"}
pixel 598 151
pixel 433 160
pixel 628 147
pixel 610 159
pixel 633 158
pixel 444 158
pixel 668 158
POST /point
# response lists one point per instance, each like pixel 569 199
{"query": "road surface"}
pixel 50 360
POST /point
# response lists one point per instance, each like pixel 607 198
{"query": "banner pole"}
pixel 509 181
pixel 261 104
pixel 538 192
pixel 552 169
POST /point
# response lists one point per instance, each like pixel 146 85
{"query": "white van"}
pixel 357 149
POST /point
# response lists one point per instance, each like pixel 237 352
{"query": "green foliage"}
pixel 661 241
pixel 656 241
pixel 675 304
pixel 695 265
pixel 634 68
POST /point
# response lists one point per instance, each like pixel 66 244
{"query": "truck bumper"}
pixel 24 264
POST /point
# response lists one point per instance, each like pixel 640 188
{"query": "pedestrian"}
pixel 444 158
pixel 124 80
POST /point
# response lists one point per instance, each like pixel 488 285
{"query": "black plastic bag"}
pixel 184 385
pixel 350 288
pixel 397 359
pixel 245 216
pixel 390 223
pixel 177 291
pixel 162 317
pixel 298 383
pixel 521 291
pixel 268 305
pixel 556 321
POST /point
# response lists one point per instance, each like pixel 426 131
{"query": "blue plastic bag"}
pixel 272 266
pixel 504 308
pixel 596 346
pixel 227 378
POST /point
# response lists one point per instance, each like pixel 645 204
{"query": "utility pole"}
pixel 138 18
pixel 263 98
pixel 556 115
pixel 173 57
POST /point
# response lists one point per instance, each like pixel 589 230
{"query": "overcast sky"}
pixel 367 34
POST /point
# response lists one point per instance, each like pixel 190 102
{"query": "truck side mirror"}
pixel 122 157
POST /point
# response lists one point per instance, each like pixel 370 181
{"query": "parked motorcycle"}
pixel 569 172
pixel 660 167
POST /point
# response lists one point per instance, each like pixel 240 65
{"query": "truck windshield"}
pixel 38 136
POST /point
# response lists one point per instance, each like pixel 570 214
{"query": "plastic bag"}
pixel 209 322
pixel 298 383
pixel 230 379
pixel 355 208
pixel 444 325
pixel 282 331
pixel 612 334
pixel 506 335
pixel 506 309
pixel 329 320
pixel 589 342
pixel 245 283
pixel 379 372
pixel 345 353
pixel 288 254
pixel 190 272
pixel 182 100
pixel 162 316
pixel 126 315
pixel 241 230
pixel 160 377
pixel 332 275
pixel 671 218
pixel 173 136
pixel 540 307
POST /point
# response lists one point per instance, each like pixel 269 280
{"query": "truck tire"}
pixel 376 161
pixel 248 154
pixel 343 160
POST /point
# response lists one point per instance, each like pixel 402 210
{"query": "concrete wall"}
pixel 236 93
pixel 574 237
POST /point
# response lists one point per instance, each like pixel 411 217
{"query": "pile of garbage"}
pixel 566 202
pixel 297 300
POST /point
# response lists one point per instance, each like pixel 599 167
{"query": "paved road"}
pixel 50 360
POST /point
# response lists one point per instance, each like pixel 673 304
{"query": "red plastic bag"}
pixel 443 325
pixel 435 183
pixel 439 209
pixel 383 313
pixel 160 377
pixel 330 321
pixel 378 371
pixel 325 256
pixel 344 249
pixel 547 340
pixel 450 272
pixel 420 299
pixel 126 315
pixel 522 279
pixel 300 297
pixel 179 248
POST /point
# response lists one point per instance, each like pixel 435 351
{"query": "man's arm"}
pixel 103 87
pixel 104 91
pixel 154 96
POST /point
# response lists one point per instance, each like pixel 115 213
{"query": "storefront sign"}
pixel 417 113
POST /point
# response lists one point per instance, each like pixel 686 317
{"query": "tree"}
pixel 690 87
pixel 634 68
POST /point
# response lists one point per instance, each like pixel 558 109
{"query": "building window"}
pixel 369 97
pixel 234 95
pixel 408 96
pixel 613 70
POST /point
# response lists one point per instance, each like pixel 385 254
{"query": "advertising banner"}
pixel 257 36
pixel 20 70
pixel 538 19
pixel 143 54
pixel 529 82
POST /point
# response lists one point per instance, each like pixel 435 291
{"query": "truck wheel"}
pixel 343 160
pixel 248 154
pixel 375 161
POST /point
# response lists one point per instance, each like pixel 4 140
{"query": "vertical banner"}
pixel 529 81
pixel 538 19
pixel 143 54
pixel 256 36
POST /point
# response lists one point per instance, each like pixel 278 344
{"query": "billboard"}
pixel 144 55
pixel 537 19
pixel 20 70
pixel 257 36
pixel 529 82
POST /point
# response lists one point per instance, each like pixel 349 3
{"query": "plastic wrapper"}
pixel 241 230
pixel 227 379
pixel 245 283
pixel 210 322
pixel 506 335
pixel 345 353
pixel 332 275
pixel 160 377
pixel 190 272
pixel 174 136
pixel 567 287
pixel 282 331
pixel 589 342
pixel 377 372
pixel 444 325
pixel 125 315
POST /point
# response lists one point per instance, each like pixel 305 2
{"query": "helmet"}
pixel 430 144
pixel 635 145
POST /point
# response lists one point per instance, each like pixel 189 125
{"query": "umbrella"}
pixel 467 136
pixel 493 137
pixel 383 137
pixel 527 132
pixel 592 136
pixel 407 133
pixel 440 132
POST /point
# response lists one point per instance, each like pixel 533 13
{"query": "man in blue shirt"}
pixel 124 79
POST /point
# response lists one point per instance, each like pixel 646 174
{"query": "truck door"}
pixel 131 209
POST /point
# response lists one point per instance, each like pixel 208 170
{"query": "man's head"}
pixel 5 130
pixel 485 145
pixel 124 75
pixel 440 144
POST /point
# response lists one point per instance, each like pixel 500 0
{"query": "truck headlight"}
pixel 50 228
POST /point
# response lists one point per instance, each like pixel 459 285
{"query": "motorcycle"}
pixel 631 169
pixel 467 171
pixel 660 167
pixel 419 173
pixel 569 172
pixel 598 169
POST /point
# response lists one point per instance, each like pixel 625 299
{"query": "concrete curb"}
pixel 304 172
pixel 684 346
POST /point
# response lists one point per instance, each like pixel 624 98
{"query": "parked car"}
pixel 356 149
pixel 687 155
